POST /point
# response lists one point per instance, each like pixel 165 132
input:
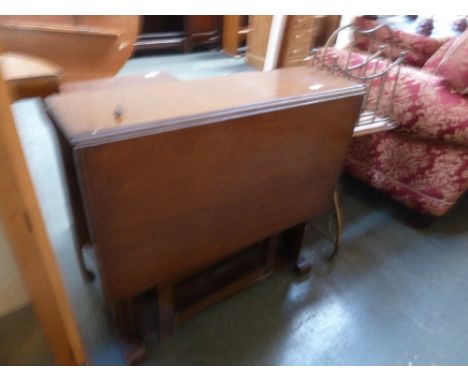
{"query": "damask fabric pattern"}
pixel 426 176
pixel 419 47
pixel 423 105
pixel 433 62
pixel 424 162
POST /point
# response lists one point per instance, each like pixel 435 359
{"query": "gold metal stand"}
pixel 335 227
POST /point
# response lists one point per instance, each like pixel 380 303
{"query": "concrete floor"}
pixel 397 296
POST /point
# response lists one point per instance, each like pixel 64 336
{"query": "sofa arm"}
pixel 426 107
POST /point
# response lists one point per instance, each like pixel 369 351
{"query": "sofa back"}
pixel 419 47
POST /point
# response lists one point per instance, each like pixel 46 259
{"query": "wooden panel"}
pixel 183 200
pixel 302 32
pixel 187 32
pixel 13 294
pixel 202 29
pixel 21 217
pixel 301 22
pixel 299 34
pixel 140 80
pixel 28 76
pixel 231 37
pixel 83 46
pixel 257 40
pixel 89 118
pixel 190 172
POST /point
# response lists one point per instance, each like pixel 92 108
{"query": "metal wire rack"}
pixel 379 70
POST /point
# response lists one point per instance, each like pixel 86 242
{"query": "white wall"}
pixel 13 294
pixel 344 38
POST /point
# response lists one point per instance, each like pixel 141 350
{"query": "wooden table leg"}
pixel 87 274
pixel 166 311
pixel 293 241
pixel 271 249
pixel 131 341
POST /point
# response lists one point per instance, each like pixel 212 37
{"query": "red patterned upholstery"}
pixel 424 175
pixel 424 106
pixel 433 62
pixel 424 162
pixel 453 66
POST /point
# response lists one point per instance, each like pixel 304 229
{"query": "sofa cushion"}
pixel 425 106
pixel 431 65
pixel 453 66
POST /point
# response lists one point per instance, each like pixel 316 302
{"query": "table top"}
pixel 153 77
pixel 99 115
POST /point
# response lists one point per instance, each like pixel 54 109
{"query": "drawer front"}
pixel 293 53
pixel 301 22
pixel 300 37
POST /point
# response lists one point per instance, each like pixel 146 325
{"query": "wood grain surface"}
pixel 88 118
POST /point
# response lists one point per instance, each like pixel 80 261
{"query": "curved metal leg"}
pixel 87 274
pixel 337 218
pixel 335 229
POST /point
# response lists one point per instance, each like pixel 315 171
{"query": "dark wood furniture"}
pixel 172 181
pixel 301 34
pixel 181 32
pixel 235 29
pixel 298 38
pixel 153 78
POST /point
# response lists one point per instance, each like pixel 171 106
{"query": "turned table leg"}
pixel 87 274
pixel 131 341
pixel 271 249
pixel 166 311
pixel 293 238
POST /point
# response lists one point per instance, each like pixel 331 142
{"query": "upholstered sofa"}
pixel 423 163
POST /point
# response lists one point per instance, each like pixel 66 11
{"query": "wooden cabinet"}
pixel 235 29
pixel 181 32
pixel 301 34
pixel 257 40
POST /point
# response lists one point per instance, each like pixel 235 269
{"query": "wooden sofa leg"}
pixel 420 220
